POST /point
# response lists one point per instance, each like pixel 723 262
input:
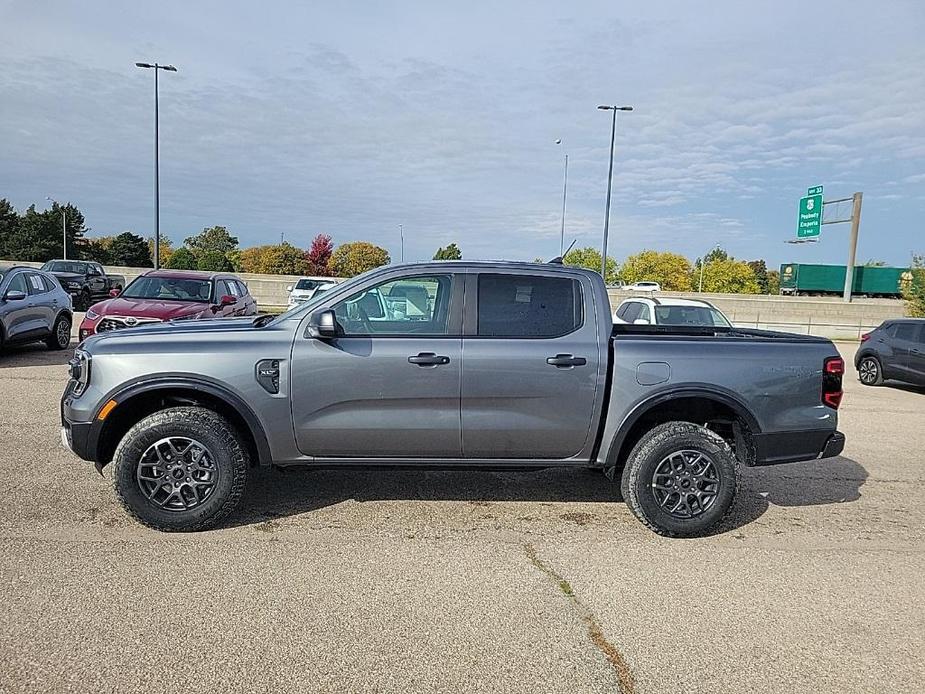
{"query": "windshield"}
pixel 169 289
pixel 65 266
pixel 690 315
pixel 309 284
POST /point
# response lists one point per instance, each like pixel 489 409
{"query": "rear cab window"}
pixel 534 306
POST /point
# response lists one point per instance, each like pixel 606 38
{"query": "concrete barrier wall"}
pixel 826 316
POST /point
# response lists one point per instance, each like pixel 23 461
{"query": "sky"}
pixel 351 118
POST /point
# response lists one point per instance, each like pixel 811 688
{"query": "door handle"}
pixel 428 359
pixel 565 361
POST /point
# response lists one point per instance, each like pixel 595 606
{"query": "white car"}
pixel 642 287
pixel 307 288
pixel 645 311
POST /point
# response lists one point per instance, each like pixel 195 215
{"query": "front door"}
pixel 389 386
pixel 531 357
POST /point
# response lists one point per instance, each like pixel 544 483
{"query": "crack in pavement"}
pixel 595 633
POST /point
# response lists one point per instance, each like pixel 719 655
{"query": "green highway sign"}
pixel 815 190
pixel 809 222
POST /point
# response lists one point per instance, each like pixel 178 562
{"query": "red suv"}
pixel 161 295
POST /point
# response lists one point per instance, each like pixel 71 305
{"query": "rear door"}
pixel 96 279
pixel 389 386
pixel 531 353
pixel 44 301
pixel 905 340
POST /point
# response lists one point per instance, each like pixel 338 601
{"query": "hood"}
pixel 73 276
pixel 110 341
pixel 150 308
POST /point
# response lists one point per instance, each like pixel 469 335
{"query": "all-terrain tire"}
pixel 83 301
pixel 60 336
pixel 228 454
pixel 649 454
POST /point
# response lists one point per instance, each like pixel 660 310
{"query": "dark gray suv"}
pixel 895 350
pixel 33 308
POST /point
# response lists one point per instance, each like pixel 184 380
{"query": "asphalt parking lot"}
pixel 464 581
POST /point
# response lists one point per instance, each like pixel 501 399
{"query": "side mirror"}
pixel 14 295
pixel 226 300
pixel 323 325
pixel 114 293
pixel 640 321
pixel 289 288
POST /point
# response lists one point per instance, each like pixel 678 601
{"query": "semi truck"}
pixel 800 279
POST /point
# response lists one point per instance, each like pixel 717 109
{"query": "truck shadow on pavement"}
pixel 277 494
pixel 34 354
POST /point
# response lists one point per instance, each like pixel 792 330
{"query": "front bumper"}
pixel 797 446
pixel 79 437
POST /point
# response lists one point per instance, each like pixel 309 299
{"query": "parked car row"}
pixel 84 280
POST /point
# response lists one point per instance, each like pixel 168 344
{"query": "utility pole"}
pixel 401 234
pixel 613 134
pixel 852 244
pixel 157 183
pixel 564 194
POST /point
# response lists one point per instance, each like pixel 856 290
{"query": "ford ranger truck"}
pixel 451 364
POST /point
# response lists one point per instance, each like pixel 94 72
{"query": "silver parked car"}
pixel 33 308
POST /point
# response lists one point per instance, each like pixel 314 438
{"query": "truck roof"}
pixel 492 264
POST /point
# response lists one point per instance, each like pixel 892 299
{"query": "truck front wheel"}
pixel 680 479
pixel 180 469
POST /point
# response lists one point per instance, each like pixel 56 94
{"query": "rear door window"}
pixel 906 331
pixel 528 306
pixel 632 311
pixel 36 283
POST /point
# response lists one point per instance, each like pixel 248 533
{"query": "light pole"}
pixel 401 234
pixel 564 194
pixel 613 134
pixel 63 226
pixel 157 192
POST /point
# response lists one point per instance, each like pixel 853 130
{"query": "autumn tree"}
pixel 451 252
pixel 671 270
pixel 760 269
pixel 166 249
pixel 914 288
pixel 318 255
pixel 213 261
pixel 351 259
pixel 774 282
pixel 274 259
pixel 729 277
pixel 590 259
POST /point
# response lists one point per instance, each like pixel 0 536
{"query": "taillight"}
pixel 832 370
pixel 865 337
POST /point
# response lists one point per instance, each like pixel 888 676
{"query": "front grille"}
pixel 119 322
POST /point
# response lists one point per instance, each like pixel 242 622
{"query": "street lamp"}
pixel 401 234
pixel 63 225
pixel 564 193
pixel 613 134
pixel 157 193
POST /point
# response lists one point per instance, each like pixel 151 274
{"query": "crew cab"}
pixel 84 280
pixel 453 365
pixel 161 295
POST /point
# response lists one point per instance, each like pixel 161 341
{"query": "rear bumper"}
pixel 796 446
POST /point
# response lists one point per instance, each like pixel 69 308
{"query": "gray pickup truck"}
pixel 449 364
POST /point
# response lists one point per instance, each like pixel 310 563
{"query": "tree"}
pixel 914 288
pixel 38 236
pixel 351 259
pixel 9 226
pixel 214 238
pixel 774 282
pixel 590 259
pixel 130 250
pixel 671 270
pixel 181 259
pixel 98 249
pixel 451 252
pixel 213 261
pixel 166 249
pixel 277 259
pixel 729 277
pixel 318 255
pixel 760 269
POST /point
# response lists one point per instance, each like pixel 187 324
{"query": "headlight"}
pixel 91 314
pixel 79 370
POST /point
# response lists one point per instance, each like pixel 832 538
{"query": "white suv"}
pixel 670 312
pixel 642 287
pixel 307 288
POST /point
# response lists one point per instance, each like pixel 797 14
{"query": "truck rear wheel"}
pixel 180 469
pixel 680 479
